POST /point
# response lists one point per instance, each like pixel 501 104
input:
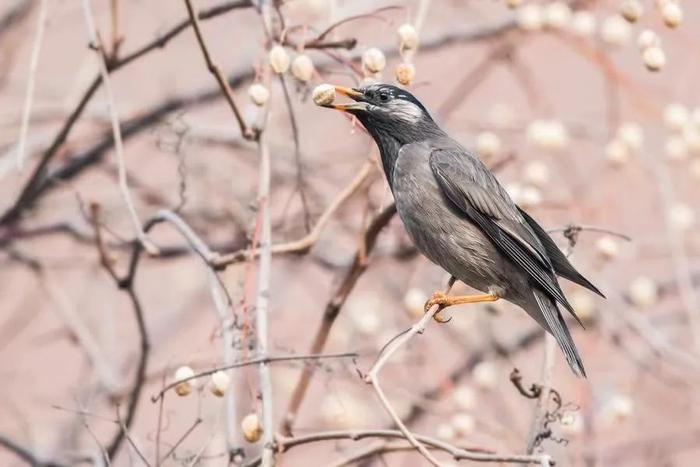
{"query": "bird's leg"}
pixel 443 301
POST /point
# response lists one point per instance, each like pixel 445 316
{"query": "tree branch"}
pixel 285 443
pixel 305 243
pixel 246 131
pixel 333 307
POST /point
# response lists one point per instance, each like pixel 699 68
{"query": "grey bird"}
pixel 461 218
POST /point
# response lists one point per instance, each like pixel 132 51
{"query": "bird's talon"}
pixel 438 298
pixel 440 319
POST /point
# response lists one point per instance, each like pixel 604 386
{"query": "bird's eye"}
pixel 383 96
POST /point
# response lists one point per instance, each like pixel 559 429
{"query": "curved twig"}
pixel 286 443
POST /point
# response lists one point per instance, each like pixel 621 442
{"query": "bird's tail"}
pixel 557 326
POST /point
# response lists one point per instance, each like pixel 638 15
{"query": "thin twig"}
pixel 543 399
pixel 374 14
pixel 29 96
pixel 140 376
pixel 184 436
pixel 144 341
pixel 116 129
pixel 301 188
pixel 262 300
pixel 251 362
pixel 124 429
pixel 305 243
pixel 214 69
pixel 103 451
pixel 159 423
pixel 590 228
pixel 117 38
pixel 195 459
pixel 217 292
pixel 285 443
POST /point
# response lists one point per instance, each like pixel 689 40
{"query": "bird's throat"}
pixel 389 148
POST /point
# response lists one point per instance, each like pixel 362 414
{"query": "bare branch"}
pixel 251 362
pixel 285 443
pixel 303 244
pixel 372 376
pixel 144 342
pixel 333 307
pixel 29 96
pixel 116 129
pixel 543 396
pixel 214 69
pixel 25 454
pixel 262 300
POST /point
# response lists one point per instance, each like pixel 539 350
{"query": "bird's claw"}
pixel 438 298
pixel 441 319
pixel 441 300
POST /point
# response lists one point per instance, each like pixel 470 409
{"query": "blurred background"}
pixel 588 111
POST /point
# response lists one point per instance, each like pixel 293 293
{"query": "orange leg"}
pixel 443 301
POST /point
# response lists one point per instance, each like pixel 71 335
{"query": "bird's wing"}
pixel 477 193
pixel 560 262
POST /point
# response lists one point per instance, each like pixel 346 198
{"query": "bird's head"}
pixel 388 113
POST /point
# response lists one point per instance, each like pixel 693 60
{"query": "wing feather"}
pixel 560 262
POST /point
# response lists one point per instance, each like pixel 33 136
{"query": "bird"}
pixel 461 218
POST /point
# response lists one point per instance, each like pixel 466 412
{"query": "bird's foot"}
pixel 438 298
pixel 443 301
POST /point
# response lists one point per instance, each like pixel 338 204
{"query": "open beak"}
pixel 353 94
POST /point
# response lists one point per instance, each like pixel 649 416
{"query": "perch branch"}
pixel 372 376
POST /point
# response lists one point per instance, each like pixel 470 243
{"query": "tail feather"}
pixel 557 327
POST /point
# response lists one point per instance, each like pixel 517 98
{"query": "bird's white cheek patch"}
pixel 409 113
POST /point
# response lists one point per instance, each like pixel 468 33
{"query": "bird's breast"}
pixel 438 229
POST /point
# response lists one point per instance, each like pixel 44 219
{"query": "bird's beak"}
pixel 353 94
